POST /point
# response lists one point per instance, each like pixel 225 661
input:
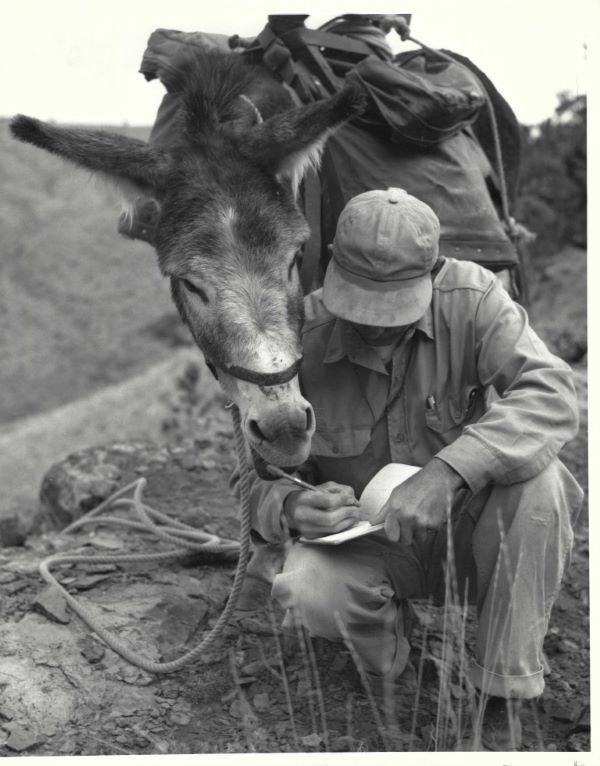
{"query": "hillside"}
pixel 75 296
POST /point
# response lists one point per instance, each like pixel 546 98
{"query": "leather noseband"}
pixel 258 378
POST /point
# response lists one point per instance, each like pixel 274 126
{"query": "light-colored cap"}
pixel 385 246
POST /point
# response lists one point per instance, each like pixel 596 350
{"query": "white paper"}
pixel 373 498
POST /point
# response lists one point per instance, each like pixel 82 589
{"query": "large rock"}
pixel 75 485
pixel 188 481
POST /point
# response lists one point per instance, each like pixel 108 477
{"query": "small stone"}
pixel 6 713
pixel 566 645
pixel 179 718
pixel 551 747
pixel 21 739
pixel 312 741
pixel 261 702
pixel 344 744
pixel 91 649
pixel 304 687
pixel 580 742
pixel 107 542
pixel 134 676
pixel 582 721
pixel 89 581
pixel 563 712
pixel 189 461
pixel 15 587
pixel 258 666
pixel 101 568
pixel 53 605
pixel 191 586
pixel 457 691
pixel 239 708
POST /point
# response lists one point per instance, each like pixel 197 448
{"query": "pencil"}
pixel 294 479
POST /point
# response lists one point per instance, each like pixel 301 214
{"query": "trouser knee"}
pixel 327 594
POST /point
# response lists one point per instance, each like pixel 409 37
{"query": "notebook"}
pixel 372 500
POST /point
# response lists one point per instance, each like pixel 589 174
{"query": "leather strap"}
pixel 258 378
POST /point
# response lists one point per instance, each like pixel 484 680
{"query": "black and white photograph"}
pixel 294 381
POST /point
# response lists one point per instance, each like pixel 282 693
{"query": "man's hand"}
pixel 314 513
pixel 421 502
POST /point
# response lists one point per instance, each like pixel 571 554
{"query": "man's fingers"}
pixel 382 514
pixel 392 528
pixel 337 518
pixel 327 521
pixel 341 490
pixel 406 533
pixel 329 499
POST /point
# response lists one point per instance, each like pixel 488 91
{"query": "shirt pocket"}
pixel 345 442
pixel 451 413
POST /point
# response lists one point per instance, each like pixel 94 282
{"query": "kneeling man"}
pixel 418 359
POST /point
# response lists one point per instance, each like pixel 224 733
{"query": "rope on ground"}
pixel 190 538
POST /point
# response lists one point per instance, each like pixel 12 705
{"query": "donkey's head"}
pixel 230 230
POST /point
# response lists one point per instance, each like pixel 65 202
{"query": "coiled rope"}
pixel 173 531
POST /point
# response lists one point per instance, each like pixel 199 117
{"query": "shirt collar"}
pixel 344 341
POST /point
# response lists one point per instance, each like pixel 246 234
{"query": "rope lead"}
pixel 178 532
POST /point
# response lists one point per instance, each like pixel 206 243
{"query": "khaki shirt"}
pixel 470 383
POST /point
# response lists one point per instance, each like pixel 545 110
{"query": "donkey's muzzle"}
pixel 281 435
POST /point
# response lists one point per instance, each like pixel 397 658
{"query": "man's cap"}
pixel 385 246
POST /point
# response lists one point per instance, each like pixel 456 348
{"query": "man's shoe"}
pixel 496 726
pixel 499 728
pixel 395 696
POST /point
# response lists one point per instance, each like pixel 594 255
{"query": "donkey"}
pixel 230 230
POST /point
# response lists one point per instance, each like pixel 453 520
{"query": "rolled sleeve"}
pixel 535 412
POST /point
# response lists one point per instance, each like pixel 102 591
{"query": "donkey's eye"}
pixel 296 263
pixel 195 289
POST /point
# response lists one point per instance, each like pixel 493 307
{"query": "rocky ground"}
pixel 63 692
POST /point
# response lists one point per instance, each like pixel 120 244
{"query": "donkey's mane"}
pixel 210 86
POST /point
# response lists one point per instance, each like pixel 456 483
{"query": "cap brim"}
pixel 379 304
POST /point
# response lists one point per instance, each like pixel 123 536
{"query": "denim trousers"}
pixel 506 548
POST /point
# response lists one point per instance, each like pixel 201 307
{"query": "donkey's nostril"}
pixel 255 431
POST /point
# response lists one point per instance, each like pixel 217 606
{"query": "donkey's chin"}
pixel 265 454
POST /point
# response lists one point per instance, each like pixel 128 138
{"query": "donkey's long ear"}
pixel 291 142
pixel 121 158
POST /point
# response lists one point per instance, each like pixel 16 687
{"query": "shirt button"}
pixel 400 437
pixel 335 449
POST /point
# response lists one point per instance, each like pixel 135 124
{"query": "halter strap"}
pixel 258 378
